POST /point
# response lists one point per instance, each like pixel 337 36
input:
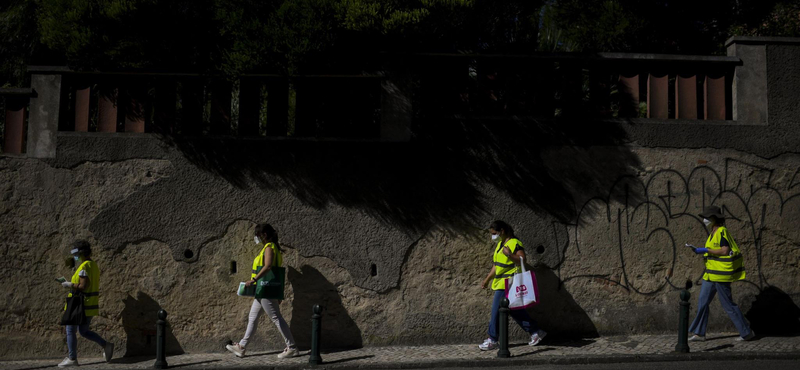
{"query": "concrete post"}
pixel 749 93
pixel 314 357
pixel 43 120
pixel 503 330
pixel 683 324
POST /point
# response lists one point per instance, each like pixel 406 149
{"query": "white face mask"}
pixel 494 237
pixel 706 222
pixel 258 241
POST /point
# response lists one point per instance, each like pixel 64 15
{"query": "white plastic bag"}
pixel 522 290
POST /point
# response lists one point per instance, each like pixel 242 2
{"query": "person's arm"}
pixel 724 249
pixel 267 265
pixel 517 256
pixel 82 284
pixel 488 278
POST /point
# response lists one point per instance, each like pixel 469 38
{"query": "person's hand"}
pixel 249 282
pixel 507 251
pixel 701 250
pixel 67 284
pixel 484 284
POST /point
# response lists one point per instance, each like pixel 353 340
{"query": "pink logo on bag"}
pixel 521 291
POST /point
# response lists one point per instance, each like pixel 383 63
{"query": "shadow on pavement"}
pixel 717 348
pixel 534 352
pixel 265 354
pixel 723 337
pixel 348 359
pixel 193 363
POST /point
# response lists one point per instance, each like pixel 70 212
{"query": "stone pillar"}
pixel 43 120
pixel 749 93
pixel 396 112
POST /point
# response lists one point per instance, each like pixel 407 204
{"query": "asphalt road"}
pixel 681 365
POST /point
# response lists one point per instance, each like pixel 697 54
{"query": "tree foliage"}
pixel 297 36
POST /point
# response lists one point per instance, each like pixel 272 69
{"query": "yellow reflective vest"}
pixel 504 267
pixel 723 268
pixel 91 303
pixel 277 258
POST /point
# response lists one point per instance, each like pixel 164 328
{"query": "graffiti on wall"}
pixel 658 213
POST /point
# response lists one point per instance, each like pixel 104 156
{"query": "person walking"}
pixel 507 255
pixel 86 279
pixel 723 265
pixel 269 256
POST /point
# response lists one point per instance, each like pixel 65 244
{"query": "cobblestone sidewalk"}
pixel 596 350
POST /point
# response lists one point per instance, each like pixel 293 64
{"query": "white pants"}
pixel 271 307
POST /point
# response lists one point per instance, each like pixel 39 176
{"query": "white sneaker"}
pixel 697 338
pixel 108 351
pixel 288 352
pixel 747 337
pixel 236 349
pixel 68 363
pixel 488 345
pixel 537 337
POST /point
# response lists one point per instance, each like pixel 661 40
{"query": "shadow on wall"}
pixel 559 315
pixel 439 177
pixel 139 321
pixel 339 331
pixel 774 313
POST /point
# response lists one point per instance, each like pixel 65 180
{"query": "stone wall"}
pixel 390 236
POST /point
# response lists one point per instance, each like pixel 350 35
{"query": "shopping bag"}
pixel 270 286
pixel 74 313
pixel 522 290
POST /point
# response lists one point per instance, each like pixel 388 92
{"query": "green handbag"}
pixel 270 286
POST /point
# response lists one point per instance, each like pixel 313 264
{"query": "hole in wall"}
pixel 233 267
pixel 688 284
pixel 373 270
pixel 540 249
pixel 188 254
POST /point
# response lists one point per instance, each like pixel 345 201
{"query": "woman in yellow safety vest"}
pixel 86 279
pixel 507 255
pixel 723 265
pixel 269 255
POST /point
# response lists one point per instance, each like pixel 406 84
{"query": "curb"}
pixel 518 362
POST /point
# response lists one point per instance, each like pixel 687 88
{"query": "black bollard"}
pixel 683 324
pixel 503 330
pixel 316 332
pixel 161 333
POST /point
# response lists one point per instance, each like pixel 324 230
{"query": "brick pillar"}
pixel 686 96
pixel 15 124
pixel 107 109
pixel 82 100
pixel 657 96
pixel 249 106
pixel 220 107
pixel 715 98
pixel 277 107
pixel 629 94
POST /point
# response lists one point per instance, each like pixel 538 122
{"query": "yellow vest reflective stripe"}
pixel 277 258
pixel 91 303
pixel 723 268
pixel 504 266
